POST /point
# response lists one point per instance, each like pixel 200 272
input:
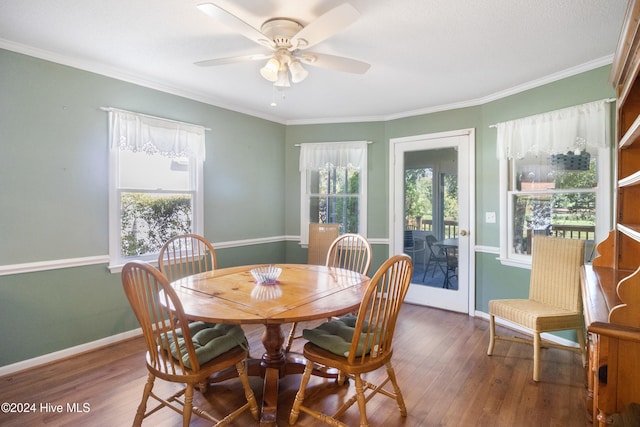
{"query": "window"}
pixel 555 179
pixel 333 179
pixel 155 184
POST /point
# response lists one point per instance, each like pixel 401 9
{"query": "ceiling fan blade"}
pixel 236 24
pixel 232 60
pixel 325 26
pixel 333 62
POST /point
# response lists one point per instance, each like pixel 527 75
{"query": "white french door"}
pixel 442 165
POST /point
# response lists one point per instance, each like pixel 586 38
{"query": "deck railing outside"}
pixel 582 232
pixel 450 227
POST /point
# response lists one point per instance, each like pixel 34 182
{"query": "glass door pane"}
pixel 431 216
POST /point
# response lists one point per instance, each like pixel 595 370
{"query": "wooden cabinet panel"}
pixel 628 159
pixel 611 286
pixel 629 246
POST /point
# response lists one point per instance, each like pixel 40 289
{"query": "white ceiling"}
pixel 425 55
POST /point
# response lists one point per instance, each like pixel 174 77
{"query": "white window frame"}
pixel 602 192
pixel 603 210
pixel 140 136
pixel 305 196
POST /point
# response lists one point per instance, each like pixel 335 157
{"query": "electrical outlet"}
pixel 490 217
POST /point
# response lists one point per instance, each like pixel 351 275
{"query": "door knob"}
pixel 463 232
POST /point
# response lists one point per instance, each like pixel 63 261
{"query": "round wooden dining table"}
pixel 302 293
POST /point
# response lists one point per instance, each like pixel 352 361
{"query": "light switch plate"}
pixel 490 217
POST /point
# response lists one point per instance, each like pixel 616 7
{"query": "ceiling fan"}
pixel 288 40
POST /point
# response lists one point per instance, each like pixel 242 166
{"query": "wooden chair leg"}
pixel 142 408
pixel 291 337
pixel 492 334
pixel 297 402
pixel 583 346
pixel 188 406
pixel 396 388
pixel 362 403
pixel 536 356
pixel 248 392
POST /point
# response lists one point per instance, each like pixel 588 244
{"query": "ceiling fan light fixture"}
pixel 283 79
pixel 271 70
pixel 298 73
pixel 289 39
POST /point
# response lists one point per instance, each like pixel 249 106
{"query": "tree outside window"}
pixel 334 197
pixel 552 198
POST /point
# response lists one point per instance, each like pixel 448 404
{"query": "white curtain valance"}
pixel 154 135
pixel 572 129
pixel 317 155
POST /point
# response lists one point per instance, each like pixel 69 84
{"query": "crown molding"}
pixel 140 80
pixel 119 74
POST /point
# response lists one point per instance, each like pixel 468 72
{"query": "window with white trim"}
pixel 554 179
pixel 333 183
pixel 155 184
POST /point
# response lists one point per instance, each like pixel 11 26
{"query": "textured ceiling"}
pixel 425 55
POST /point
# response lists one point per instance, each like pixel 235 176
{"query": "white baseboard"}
pixel 67 352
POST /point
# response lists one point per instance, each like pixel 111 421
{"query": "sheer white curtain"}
pixel 317 155
pixel 572 129
pixel 141 133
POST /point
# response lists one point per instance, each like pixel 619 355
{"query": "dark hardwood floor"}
pixel 440 359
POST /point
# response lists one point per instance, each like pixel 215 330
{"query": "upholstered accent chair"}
pixel 320 238
pixel 554 302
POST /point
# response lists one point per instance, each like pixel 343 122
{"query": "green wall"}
pixel 507 282
pixel 585 87
pixel 54 197
pixel 55 191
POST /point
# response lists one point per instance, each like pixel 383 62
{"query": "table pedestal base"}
pixel 273 365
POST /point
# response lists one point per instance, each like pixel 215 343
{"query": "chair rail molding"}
pixel 30 267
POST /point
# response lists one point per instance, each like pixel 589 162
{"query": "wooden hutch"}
pixel 611 285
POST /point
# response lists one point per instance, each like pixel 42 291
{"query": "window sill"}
pixel 117 267
pixel 515 263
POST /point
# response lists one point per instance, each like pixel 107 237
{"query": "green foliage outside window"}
pixel 418 193
pixel 335 197
pixel 450 182
pixel 149 220
pixel 561 207
pixel 565 197
pixel 579 207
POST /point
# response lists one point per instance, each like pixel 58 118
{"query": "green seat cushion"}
pixel 210 340
pixel 336 336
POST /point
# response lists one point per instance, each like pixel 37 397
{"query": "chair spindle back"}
pixel 376 322
pixel 160 314
pixel 185 255
pixel 351 252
